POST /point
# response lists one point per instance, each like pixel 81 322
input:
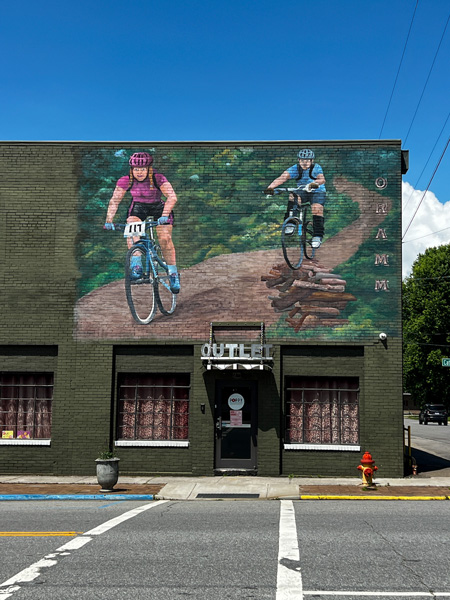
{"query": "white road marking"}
pixel 378 594
pixel 75 544
pixel 289 577
pixel 8 592
pixel 12 585
pixel 117 520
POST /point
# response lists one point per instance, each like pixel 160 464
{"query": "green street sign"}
pixel 446 362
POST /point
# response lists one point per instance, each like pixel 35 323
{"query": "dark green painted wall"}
pixel 39 275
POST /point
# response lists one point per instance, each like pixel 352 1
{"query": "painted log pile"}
pixel 312 295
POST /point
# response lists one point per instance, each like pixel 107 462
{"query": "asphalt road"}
pixel 221 550
pixel 431 448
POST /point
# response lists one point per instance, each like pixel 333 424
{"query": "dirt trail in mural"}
pixel 223 288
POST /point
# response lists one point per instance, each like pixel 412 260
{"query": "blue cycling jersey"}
pixel 305 178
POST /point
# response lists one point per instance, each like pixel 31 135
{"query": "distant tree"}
pixel 426 327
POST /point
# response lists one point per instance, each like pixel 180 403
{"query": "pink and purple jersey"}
pixel 142 191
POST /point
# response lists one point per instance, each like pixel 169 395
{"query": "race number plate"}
pixel 134 229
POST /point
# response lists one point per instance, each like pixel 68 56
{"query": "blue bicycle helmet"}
pixel 307 154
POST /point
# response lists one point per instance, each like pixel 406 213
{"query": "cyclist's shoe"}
pixel 174 283
pixel 289 229
pixel 136 272
pixel 316 242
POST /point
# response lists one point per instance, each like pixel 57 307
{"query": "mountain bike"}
pixel 297 229
pixel 151 289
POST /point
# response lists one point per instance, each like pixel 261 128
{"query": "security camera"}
pixel 383 336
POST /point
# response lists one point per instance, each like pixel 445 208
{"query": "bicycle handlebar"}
pixel 149 222
pixel 280 190
pixel 300 188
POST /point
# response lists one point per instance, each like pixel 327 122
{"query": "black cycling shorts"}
pixel 142 210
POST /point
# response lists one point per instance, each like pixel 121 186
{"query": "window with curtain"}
pixel 153 407
pixel 322 410
pixel 26 405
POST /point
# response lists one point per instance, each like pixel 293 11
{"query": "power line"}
pixel 399 67
pixel 426 235
pixel 426 164
pixel 426 82
pixel 429 183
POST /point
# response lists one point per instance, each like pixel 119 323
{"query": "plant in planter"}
pixel 107 467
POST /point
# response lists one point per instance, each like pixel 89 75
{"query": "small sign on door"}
pixel 236 401
pixel 235 418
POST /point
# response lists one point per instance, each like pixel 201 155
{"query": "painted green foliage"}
pixel 221 209
pixel 426 326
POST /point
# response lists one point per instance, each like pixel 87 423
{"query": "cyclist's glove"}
pixel 269 191
pixel 163 220
pixel 109 226
pixel 311 187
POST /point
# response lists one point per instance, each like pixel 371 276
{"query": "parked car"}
pixel 433 413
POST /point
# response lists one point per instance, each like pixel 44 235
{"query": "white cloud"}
pixel 430 227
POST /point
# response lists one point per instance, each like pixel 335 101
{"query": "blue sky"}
pixel 236 70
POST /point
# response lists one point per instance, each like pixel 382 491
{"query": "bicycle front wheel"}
pixel 291 242
pixel 139 285
pixel 166 300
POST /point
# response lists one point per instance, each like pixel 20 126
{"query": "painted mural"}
pixel 302 237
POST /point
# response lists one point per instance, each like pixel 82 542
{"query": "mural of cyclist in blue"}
pixel 146 188
pixel 305 172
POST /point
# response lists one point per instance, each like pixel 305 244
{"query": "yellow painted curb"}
pixel 310 497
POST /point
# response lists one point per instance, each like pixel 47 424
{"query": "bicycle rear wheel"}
pixel 166 300
pixel 307 236
pixel 140 291
pixel 291 242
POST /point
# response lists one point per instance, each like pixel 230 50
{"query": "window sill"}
pixel 332 447
pixel 25 442
pixel 153 443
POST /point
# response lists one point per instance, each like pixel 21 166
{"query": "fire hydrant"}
pixel 368 468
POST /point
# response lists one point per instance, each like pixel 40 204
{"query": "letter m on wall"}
pixel 382 259
pixel 382 285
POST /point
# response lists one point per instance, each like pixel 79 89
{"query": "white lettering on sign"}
pixel 382 259
pixel 381 235
pixel 256 351
pixel 381 209
pixel 236 401
pixel 382 284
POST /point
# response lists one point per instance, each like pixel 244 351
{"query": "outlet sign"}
pixel 255 351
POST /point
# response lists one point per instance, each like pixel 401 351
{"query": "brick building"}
pixel 260 368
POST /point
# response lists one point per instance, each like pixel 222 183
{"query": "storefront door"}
pixel 236 426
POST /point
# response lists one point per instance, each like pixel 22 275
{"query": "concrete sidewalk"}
pixel 17 487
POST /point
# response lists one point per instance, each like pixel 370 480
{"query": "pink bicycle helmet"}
pixel 140 159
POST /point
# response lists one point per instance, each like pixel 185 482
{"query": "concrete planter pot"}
pixel 107 473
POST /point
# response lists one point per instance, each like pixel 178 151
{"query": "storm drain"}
pixel 201 495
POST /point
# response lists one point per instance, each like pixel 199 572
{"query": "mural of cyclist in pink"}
pixel 305 172
pixel 147 188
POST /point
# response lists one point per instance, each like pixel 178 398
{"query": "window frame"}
pixel 170 442
pixel 48 384
pixel 340 445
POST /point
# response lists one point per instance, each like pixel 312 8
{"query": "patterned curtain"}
pixel 153 407
pixel 323 410
pixel 26 404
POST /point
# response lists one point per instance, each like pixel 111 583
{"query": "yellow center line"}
pixel 38 533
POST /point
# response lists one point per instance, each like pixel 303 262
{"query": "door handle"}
pixel 219 426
